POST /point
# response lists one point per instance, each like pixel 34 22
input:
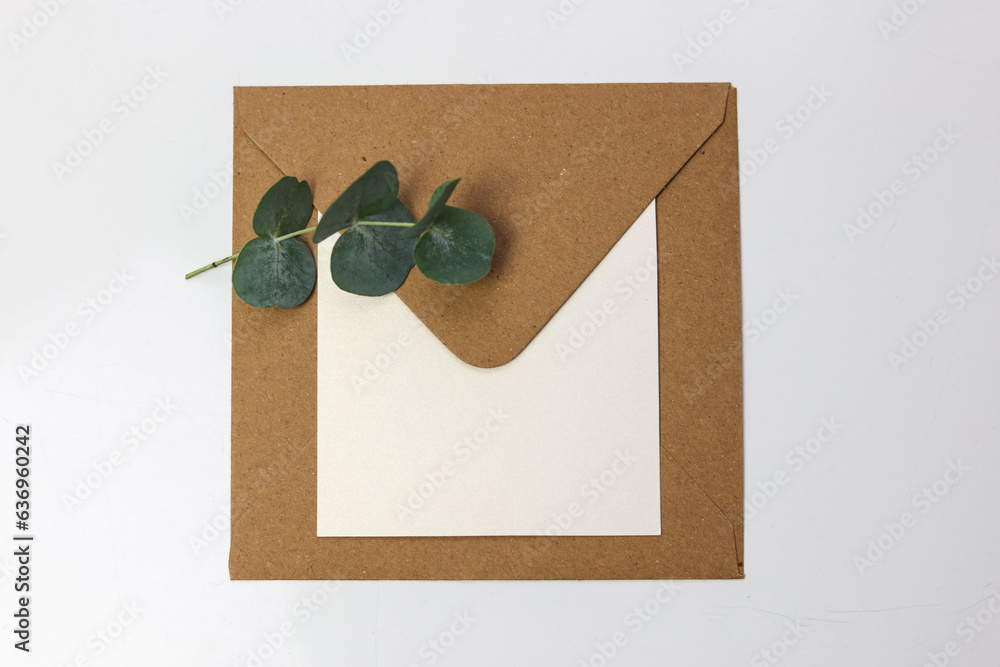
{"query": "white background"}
pixel 144 536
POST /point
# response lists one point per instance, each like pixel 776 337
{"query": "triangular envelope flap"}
pixel 560 171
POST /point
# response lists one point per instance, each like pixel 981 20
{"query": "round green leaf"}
pixel 438 200
pixel 274 274
pixel 373 260
pixel 283 209
pixel 457 249
pixel 375 191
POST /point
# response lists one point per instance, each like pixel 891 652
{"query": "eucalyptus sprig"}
pixel 378 246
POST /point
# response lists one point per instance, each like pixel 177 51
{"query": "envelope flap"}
pixel 560 171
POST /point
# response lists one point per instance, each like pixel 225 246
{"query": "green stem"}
pixel 288 236
pixel 211 266
pixel 293 234
pixel 372 223
pixel 220 262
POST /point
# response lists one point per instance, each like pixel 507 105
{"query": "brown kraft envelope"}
pixel 561 172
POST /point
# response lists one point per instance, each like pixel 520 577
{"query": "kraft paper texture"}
pixel 560 171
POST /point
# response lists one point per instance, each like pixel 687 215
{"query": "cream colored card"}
pixel 562 440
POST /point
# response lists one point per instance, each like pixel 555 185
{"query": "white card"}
pixel 562 440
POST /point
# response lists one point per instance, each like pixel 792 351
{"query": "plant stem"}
pixel 211 266
pixel 288 236
pixel 220 262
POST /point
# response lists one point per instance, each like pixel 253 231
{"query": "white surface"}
pixel 134 539
pixel 414 441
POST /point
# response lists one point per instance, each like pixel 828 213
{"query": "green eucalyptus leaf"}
pixel 395 213
pixel 438 200
pixel 283 209
pixel 373 260
pixel 457 249
pixel 274 274
pixel 374 192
